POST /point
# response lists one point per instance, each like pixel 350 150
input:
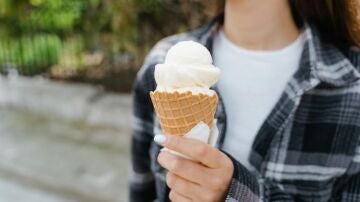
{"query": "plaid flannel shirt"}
pixel 307 149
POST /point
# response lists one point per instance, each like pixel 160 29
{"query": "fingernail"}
pixel 160 139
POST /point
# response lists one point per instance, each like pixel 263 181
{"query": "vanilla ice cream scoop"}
pixel 188 67
pixel 183 97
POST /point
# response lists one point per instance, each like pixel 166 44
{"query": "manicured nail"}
pixel 160 139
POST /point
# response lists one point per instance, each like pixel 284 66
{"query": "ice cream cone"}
pixel 178 112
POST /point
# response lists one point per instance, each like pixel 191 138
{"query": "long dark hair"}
pixel 337 20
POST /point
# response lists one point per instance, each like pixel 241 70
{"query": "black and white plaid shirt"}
pixel 307 149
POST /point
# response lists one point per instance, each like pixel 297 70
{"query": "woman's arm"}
pixel 215 176
pixel 245 186
pixel 142 187
pixel 351 191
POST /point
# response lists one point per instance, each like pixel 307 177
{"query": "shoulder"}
pixel 354 56
pixel 157 55
pixel 158 52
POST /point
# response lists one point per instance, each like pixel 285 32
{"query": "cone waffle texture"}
pixel 178 113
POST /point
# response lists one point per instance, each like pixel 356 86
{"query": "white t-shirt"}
pixel 251 82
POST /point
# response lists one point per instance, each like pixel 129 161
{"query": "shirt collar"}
pixel 320 60
pixel 328 63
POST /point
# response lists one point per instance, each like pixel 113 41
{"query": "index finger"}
pixel 197 150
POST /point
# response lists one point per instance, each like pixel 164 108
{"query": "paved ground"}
pixel 47 157
pixel 73 102
pixel 60 158
pixel 11 191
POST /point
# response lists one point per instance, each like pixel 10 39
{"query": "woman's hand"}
pixel 205 179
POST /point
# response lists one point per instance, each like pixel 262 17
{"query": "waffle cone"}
pixel 178 113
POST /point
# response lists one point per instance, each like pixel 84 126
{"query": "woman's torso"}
pixel 308 142
pixel 250 84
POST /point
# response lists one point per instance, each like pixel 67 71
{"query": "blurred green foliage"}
pixel 40 51
pixel 33 30
pixel 37 34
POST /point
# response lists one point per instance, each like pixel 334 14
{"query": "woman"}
pixel 289 113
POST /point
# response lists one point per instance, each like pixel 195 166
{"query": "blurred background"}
pixel 66 71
